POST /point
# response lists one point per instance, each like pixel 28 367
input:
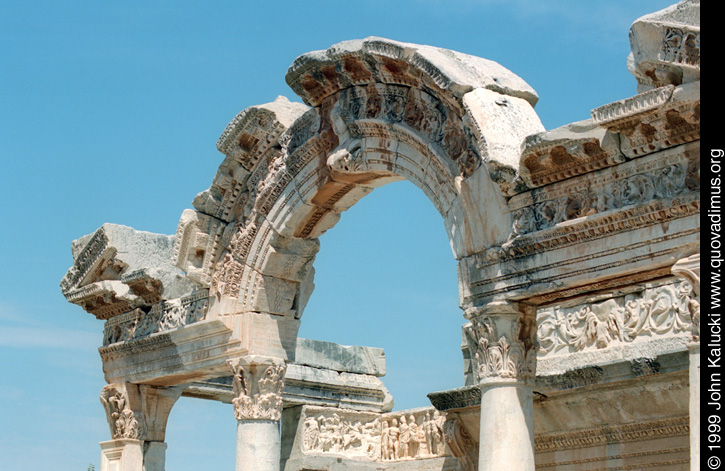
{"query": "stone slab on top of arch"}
pixel 493 101
pixel 318 74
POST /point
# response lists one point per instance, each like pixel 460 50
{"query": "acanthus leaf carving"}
pixel 504 356
pixel 258 384
pixel 123 422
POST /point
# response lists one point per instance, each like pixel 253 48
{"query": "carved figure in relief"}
pixel 386 445
pixel 311 433
pixel 394 437
pixel 402 437
pixel 414 439
pixel 404 445
pixel 427 430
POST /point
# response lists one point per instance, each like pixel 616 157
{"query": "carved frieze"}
pixel 122 421
pixel 396 436
pixel 257 383
pixel 689 269
pixel 89 259
pixel 655 310
pixel 681 46
pixel 666 46
pixel 253 131
pixel 430 119
pixel 316 76
pixel 671 178
pixel 612 434
pixel 118 269
pixel 164 315
pixel 350 434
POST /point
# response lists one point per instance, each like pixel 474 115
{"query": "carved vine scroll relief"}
pixel 656 310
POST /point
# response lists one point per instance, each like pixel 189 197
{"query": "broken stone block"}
pixel 666 46
pixel 117 269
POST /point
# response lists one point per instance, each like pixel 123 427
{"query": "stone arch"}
pixel 380 111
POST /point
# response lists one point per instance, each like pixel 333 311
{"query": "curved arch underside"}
pixel 380 111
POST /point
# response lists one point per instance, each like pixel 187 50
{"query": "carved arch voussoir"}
pixel 382 111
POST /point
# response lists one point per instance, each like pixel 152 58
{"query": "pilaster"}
pixel 689 269
pixel 137 416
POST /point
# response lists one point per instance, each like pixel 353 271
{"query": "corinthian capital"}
pixel 258 383
pixel 502 343
pixel 122 420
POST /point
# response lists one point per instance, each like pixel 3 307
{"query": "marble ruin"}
pixel 578 261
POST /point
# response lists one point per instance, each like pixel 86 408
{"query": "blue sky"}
pixel 111 112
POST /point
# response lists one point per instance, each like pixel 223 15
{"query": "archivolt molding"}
pixel 382 111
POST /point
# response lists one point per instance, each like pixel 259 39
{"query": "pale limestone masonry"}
pixel 578 263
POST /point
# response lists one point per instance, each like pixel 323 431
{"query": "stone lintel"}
pixel 312 386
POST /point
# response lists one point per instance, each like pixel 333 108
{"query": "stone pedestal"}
pixel 258 383
pixel 503 350
pixel 122 455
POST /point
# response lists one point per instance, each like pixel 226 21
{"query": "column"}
pixel 258 383
pixel 689 268
pixel 503 349
pixel 137 416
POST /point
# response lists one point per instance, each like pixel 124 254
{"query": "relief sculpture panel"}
pixel 656 309
pixel 404 435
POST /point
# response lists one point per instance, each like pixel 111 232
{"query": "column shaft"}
pixel 507 428
pixel 258 445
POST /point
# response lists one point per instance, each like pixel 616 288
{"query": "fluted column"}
pixel 502 339
pixel 689 268
pixel 258 384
